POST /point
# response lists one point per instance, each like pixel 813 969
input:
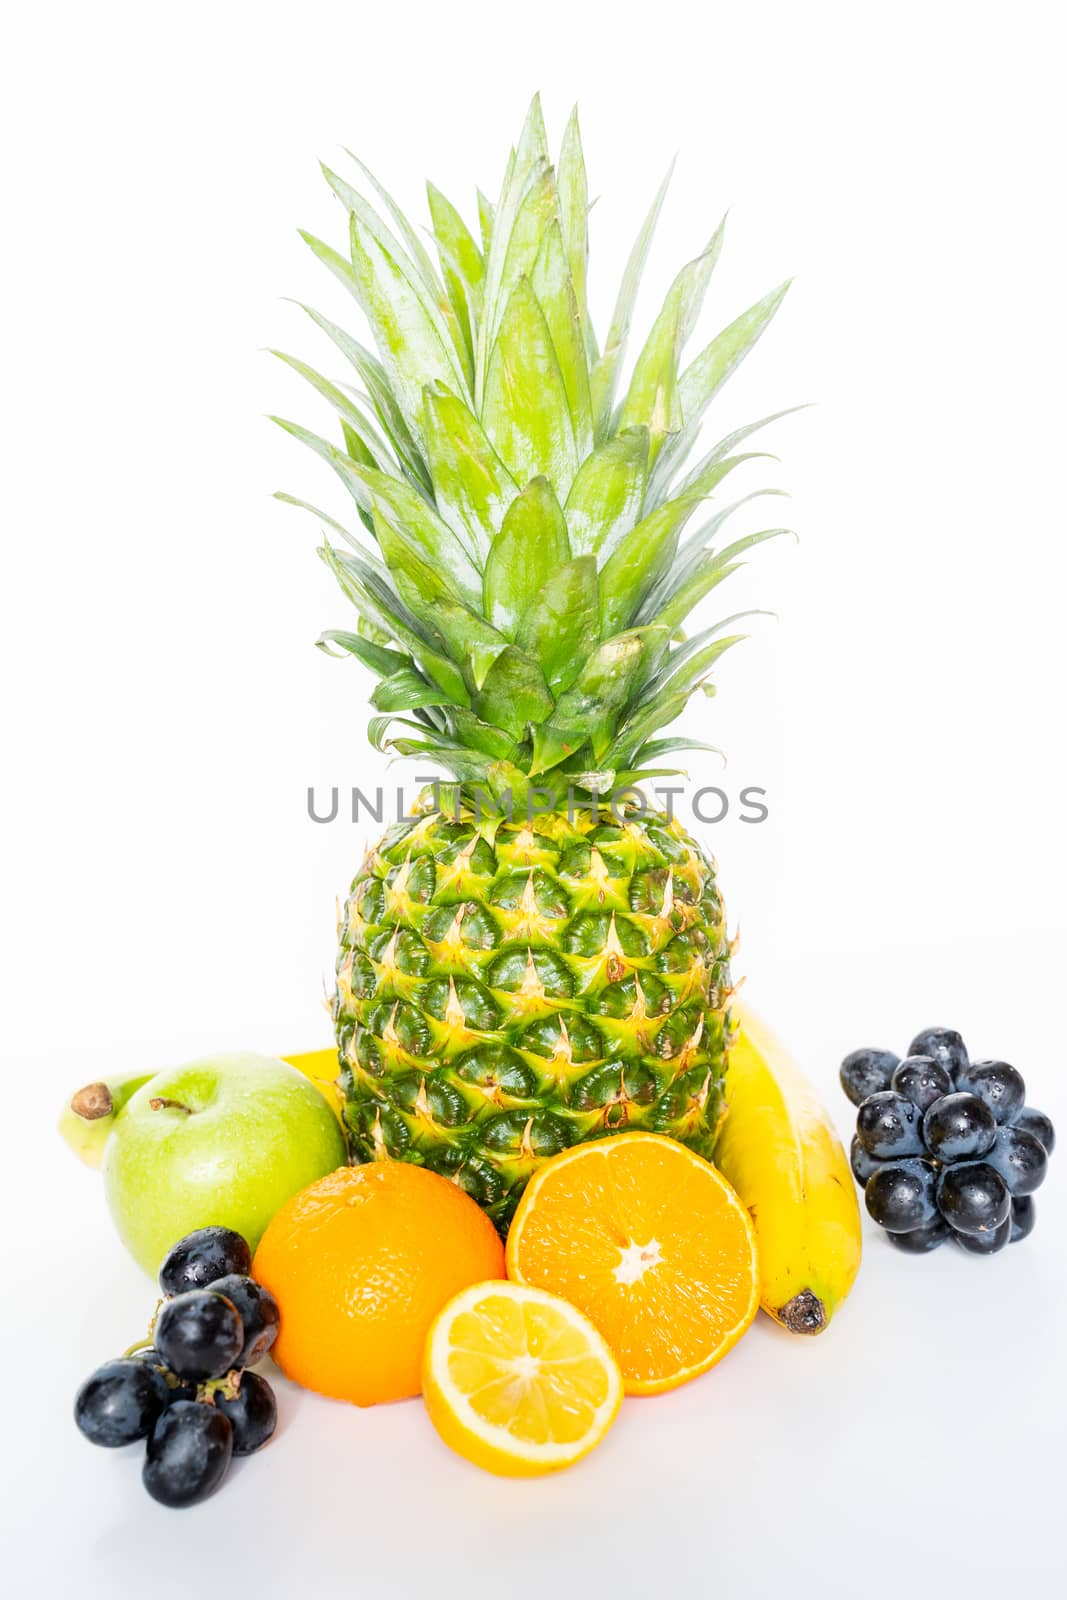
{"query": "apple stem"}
pixel 158 1103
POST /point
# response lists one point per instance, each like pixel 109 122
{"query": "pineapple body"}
pixel 507 990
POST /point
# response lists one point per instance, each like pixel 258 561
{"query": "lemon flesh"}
pixel 518 1381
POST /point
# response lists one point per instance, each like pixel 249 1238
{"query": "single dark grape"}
pixel 958 1127
pixel 188 1452
pixel 866 1072
pixel 946 1047
pixel 863 1165
pixel 1022 1217
pixel 922 1080
pixel 1039 1125
pixel 119 1402
pixel 973 1198
pixel 200 1334
pixel 900 1195
pixel 986 1244
pixel 888 1126
pixel 1021 1160
pixel 998 1084
pixel 920 1241
pixel 201 1257
pixel 259 1314
pixel 253 1413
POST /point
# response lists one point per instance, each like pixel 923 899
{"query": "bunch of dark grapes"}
pixel 190 1393
pixel 945 1147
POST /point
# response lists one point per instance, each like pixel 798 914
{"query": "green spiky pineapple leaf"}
pixel 685 676
pixel 573 187
pixel 532 544
pixel 682 597
pixel 373 598
pixel 473 487
pixel 589 711
pixel 324 517
pixel 723 448
pixel 414 343
pixel 432 597
pixel 346 466
pixel 420 259
pixel 486 217
pixel 527 165
pixel 513 637
pixel 654 398
pixel 382 662
pixel 392 499
pixel 345 406
pixel 608 492
pixel 525 413
pixel 691 650
pixel 552 285
pixel 534 216
pixel 470 731
pixel 724 354
pixel 638 562
pixel 462 264
pixel 388 413
pixel 407 690
pixel 707 373
pixel 559 622
pixel 514 693
pixel 605 372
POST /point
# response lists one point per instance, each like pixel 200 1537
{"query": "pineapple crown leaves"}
pixel 524 564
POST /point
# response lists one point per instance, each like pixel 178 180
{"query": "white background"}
pixel 164 892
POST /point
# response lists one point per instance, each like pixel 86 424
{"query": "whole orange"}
pixel 360 1263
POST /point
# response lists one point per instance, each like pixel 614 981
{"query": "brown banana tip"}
pixel 92 1102
pixel 805 1313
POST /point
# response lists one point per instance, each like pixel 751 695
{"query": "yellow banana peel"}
pixel 779 1150
pixel 89 1115
pixel 322 1067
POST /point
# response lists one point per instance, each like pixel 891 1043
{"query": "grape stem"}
pixel 228 1386
pixel 150 1337
pixel 158 1103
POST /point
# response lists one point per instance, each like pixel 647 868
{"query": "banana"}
pixel 89 1115
pixel 779 1150
pixel 322 1067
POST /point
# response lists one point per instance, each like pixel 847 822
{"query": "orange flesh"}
pixel 652 1244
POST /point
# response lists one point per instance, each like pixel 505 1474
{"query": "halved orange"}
pixel 651 1243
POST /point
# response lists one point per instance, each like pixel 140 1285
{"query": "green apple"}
pixel 224 1140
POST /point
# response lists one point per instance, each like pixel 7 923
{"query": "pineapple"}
pixel 524 964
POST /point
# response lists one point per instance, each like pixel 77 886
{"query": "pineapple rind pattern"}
pixel 507 990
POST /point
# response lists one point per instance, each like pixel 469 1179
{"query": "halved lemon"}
pixel 518 1381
